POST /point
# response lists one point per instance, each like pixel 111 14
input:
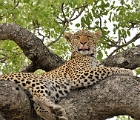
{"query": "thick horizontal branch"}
pixel 32 47
pixel 116 95
pixel 129 58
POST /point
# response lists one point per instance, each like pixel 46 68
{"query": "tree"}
pixel 48 21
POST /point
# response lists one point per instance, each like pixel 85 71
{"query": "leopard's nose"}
pixel 83 43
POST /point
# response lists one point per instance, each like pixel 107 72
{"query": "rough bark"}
pixel 129 58
pixel 115 95
pixel 14 103
pixel 32 47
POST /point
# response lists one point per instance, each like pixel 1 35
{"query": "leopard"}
pixel 82 70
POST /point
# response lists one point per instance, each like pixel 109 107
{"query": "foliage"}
pixel 11 57
pixel 124 118
pixel 62 49
pixel 48 20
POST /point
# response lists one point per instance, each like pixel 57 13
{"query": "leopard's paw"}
pixel 59 111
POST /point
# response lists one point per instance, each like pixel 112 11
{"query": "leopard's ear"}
pixel 98 34
pixel 67 36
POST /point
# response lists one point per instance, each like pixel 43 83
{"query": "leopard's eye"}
pixel 77 37
pixel 89 36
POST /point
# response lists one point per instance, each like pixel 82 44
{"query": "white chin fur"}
pixel 84 52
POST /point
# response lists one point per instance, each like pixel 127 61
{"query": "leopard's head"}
pixel 83 41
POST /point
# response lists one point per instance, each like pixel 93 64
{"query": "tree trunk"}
pixel 116 95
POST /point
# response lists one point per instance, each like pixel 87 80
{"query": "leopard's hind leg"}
pixel 44 108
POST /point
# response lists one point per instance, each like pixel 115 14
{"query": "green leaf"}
pixel 100 55
pixel 137 71
pixel 128 32
pixel 77 25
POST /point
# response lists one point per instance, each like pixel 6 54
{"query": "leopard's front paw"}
pixel 59 111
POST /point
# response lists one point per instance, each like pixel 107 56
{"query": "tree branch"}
pixel 81 11
pixel 116 95
pixel 129 58
pixel 136 37
pixel 67 21
pixel 32 47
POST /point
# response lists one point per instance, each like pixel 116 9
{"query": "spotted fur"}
pixel 81 71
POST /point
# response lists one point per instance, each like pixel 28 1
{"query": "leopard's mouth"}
pixel 83 48
pixel 79 49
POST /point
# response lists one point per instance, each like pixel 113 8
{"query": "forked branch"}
pixel 65 21
pixel 136 37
